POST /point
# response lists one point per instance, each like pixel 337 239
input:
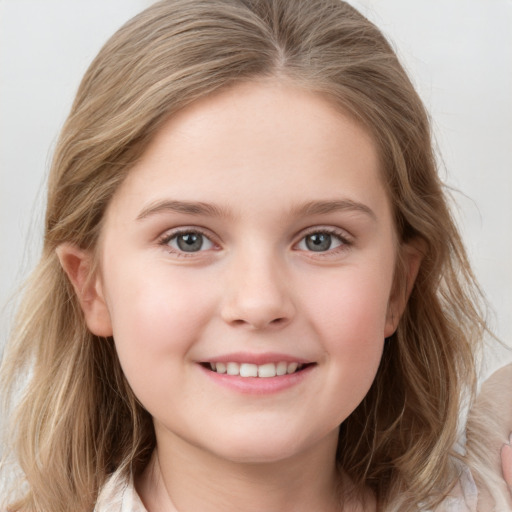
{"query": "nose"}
pixel 257 294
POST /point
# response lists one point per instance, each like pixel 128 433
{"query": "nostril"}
pixel 260 323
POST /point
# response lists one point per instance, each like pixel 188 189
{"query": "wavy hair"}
pixel 74 419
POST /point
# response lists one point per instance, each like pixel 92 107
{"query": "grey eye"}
pixel 320 242
pixel 190 242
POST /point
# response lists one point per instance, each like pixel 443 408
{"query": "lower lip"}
pixel 258 385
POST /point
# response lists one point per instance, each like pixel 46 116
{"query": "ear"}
pixel 410 258
pixel 78 265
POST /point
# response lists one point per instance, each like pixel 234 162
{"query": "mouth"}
pixel 263 371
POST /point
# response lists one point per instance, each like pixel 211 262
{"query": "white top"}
pixel 119 495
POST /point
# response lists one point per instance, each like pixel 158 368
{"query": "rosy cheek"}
pixel 354 303
pixel 157 310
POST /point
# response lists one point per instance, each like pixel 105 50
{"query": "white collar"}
pixel 119 495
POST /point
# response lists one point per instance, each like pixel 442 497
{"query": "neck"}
pixel 183 478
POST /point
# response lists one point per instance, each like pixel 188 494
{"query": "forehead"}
pixel 255 142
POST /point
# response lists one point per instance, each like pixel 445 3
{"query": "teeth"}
pixel 233 368
pixel 248 370
pixel 292 367
pixel 281 368
pixel 253 370
pixel 267 370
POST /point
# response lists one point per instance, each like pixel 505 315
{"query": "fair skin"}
pixel 254 230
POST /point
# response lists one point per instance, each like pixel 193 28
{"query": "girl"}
pixel 252 295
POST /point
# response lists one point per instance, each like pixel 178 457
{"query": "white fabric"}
pixel 464 497
pixel 119 495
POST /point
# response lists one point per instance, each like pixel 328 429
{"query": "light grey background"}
pixel 458 52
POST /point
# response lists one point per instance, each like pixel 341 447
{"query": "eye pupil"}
pixel 190 242
pixel 318 242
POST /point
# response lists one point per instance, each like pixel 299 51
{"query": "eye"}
pixel 188 241
pixel 322 241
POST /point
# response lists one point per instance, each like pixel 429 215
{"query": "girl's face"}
pixel 253 237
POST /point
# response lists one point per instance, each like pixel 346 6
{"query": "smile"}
pixel 257 374
pixel 267 370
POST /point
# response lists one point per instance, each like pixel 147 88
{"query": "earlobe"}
pixel 411 257
pixel 78 266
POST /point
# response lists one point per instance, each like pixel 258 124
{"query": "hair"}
pixel 74 418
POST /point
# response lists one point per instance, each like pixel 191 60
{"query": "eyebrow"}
pixel 207 209
pixel 325 207
pixel 188 207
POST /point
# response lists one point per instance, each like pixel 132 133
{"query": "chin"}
pixel 266 448
pixel 256 457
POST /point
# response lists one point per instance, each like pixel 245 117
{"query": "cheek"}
pixel 351 306
pixel 349 316
pixel 155 316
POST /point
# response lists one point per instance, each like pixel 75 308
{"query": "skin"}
pixel 256 153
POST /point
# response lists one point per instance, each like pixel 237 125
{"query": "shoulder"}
pixel 119 495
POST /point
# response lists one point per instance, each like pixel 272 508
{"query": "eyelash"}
pixel 342 237
pixel 167 237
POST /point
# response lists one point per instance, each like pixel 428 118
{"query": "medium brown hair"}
pixel 78 420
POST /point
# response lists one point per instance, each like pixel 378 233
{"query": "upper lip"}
pixel 258 359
